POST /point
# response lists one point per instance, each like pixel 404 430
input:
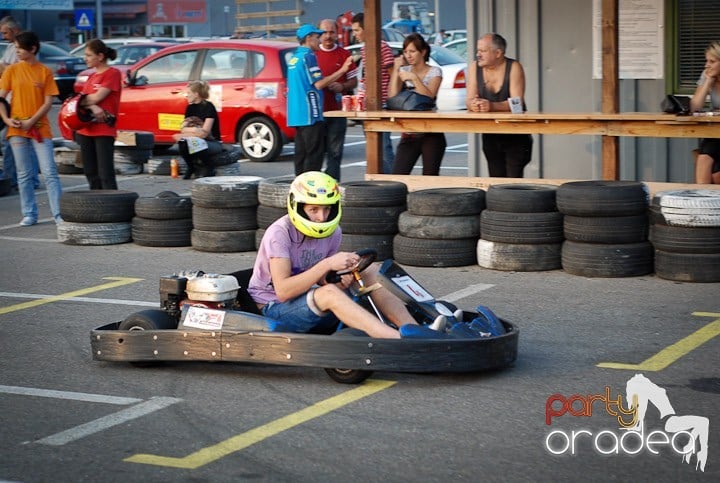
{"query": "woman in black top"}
pixel 199 136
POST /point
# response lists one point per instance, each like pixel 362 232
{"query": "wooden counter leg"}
pixel 373 152
pixel 610 158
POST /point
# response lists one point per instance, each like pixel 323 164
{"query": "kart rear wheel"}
pixel 148 320
pixel 348 376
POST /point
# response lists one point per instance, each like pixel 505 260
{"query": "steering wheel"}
pixel 367 257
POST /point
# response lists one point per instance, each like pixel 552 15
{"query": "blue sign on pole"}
pixel 84 18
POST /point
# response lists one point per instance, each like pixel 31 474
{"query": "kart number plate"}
pixel 413 289
pixel 202 318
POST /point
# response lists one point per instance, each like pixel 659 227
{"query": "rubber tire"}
pixel 439 227
pixel 225 157
pixel 71 233
pixel 606 229
pixel 164 207
pixel 143 140
pixel 382 244
pixel 274 191
pixel 224 219
pixel 523 228
pixel 521 198
pixel 267 215
pixel 98 206
pixel 68 169
pixel 683 239
pixel 371 220
pixel 223 241
pixel 268 130
pixel 688 267
pixel 161 233
pixel 518 257
pixel 427 252
pixel 373 193
pixel 225 191
pixel 151 319
pixel 448 201
pixel 688 198
pixel 348 376
pixel 607 260
pixel 602 198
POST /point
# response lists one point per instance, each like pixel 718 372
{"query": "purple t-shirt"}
pixel 283 240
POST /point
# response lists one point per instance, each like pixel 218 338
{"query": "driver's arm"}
pixel 288 286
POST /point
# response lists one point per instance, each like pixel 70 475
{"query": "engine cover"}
pixel 212 287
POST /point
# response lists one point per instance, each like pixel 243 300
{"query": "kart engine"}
pixel 209 290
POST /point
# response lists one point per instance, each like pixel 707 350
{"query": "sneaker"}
pixel 414 331
pixel 459 314
pixel 59 220
pixel 461 330
pixel 28 221
pixel 439 323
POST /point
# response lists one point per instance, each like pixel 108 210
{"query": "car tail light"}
pixel 62 68
pixel 459 80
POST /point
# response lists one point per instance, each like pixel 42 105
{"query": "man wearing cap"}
pixel 305 100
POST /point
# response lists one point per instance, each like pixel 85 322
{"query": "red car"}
pixel 248 87
pixel 127 55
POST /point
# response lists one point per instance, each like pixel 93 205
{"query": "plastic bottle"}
pixel 174 168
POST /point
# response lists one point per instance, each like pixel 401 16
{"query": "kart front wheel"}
pixel 348 376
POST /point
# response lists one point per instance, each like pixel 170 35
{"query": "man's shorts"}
pixel 300 315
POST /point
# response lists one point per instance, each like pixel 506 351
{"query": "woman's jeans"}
pixel 27 169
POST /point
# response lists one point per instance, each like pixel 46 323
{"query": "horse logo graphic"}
pixel 639 391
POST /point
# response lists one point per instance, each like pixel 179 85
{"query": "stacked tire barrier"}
pixel 272 203
pixel 96 217
pixel 606 228
pixel 685 232
pixel 440 228
pixel 520 229
pixel 224 213
pixel 68 159
pixel 370 213
pixel 164 220
pixel 130 158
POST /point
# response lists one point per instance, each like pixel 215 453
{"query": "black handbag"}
pixel 675 104
pixel 409 100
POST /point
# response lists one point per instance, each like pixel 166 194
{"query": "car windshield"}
pixel 50 50
pixel 443 56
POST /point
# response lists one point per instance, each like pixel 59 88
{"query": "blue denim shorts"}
pixel 297 315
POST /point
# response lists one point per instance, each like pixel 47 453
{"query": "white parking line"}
pixel 17 238
pixel 467 291
pixel 82 299
pixel 73 396
pixel 106 422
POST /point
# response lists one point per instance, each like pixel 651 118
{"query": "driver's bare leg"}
pixel 334 299
pixel 389 305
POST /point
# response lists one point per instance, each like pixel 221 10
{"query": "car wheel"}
pixel 260 139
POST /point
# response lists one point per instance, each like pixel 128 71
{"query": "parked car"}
pixel 65 67
pixel 248 87
pixel 451 96
pixel 458 46
pixel 127 55
pixel 115 42
pixel 450 35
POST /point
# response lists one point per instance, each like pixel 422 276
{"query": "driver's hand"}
pixel 346 281
pixel 342 261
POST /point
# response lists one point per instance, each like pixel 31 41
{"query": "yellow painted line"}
pixel 673 352
pixel 256 435
pixel 119 282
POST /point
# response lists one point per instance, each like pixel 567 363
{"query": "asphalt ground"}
pixel 65 417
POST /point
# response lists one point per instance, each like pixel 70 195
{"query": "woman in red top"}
pixel 97 139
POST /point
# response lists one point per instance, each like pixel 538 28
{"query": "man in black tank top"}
pixel 492 82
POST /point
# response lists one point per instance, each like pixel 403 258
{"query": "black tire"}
pixel 131 155
pixel 519 257
pixel 164 207
pixel 5 186
pixel 525 228
pixel 224 219
pixel 161 233
pixel 439 227
pixel 382 244
pixel 69 169
pixel 274 191
pixel 259 233
pixel 607 260
pixel 447 201
pixel 225 157
pixel 427 252
pixel 521 198
pixel 143 140
pixel 225 191
pixel 371 220
pixel 267 215
pixel 373 193
pixel 688 267
pixel 602 198
pixel 223 241
pixel 348 376
pixel 152 319
pixel 260 139
pixel 683 239
pixel 606 229
pixel 98 206
pixel 71 233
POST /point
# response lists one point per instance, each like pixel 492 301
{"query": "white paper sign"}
pixel 196 144
pixel 206 319
pixel 413 289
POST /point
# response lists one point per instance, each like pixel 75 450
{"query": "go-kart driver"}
pixel 295 255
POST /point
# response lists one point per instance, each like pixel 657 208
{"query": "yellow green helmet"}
pixel 314 188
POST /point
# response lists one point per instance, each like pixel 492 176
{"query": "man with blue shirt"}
pixel 305 100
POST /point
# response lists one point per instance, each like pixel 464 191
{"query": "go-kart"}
pixel 211 317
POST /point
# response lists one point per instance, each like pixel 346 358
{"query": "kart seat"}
pixel 243 298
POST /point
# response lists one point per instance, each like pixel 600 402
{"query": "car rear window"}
pixel 443 56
